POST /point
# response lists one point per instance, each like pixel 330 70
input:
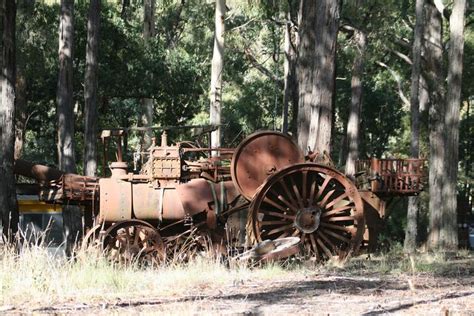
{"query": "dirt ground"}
pixel 323 294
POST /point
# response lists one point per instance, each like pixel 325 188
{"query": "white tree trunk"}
pixel 449 232
pixel 356 103
pixel 147 103
pixel 413 202
pixel 216 73
pixel 289 74
pixel 66 158
pixel 316 72
pixel 90 89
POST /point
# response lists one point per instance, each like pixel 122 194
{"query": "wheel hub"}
pixel 307 220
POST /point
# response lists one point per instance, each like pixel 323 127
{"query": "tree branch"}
pixel 403 56
pixel 251 58
pixel 398 79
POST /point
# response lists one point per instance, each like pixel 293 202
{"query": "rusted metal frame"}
pixel 399 176
pixel 222 150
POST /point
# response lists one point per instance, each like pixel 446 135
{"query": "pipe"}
pixel 39 172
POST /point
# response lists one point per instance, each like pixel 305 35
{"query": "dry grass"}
pixel 395 262
pixel 38 277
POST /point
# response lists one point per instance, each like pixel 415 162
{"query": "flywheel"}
pixel 260 155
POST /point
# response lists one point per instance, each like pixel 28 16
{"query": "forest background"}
pixel 172 67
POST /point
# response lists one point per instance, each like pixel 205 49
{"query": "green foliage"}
pixel 174 66
pixel 129 70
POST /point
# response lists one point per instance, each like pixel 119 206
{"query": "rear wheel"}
pixel 313 202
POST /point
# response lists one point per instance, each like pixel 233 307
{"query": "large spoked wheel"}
pixel 313 202
pixel 134 241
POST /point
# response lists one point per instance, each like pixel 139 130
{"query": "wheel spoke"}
pixel 349 229
pixel 288 193
pixel 137 236
pixel 323 186
pixel 336 200
pixel 290 206
pixel 274 204
pixel 267 223
pixel 337 236
pixel 324 248
pixel 336 210
pixel 340 218
pixel 313 244
pixel 295 233
pixel 305 183
pixel 312 192
pixel 286 216
pixel 326 198
pixel 299 199
pixel 277 230
pixel 327 240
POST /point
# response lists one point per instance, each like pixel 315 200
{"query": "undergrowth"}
pixel 38 276
pixel 396 262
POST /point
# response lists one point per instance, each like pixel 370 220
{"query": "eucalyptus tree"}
pixel 356 18
pixel 290 93
pixel 318 28
pixel 449 240
pixel 8 201
pixel 91 89
pixel 148 103
pixel 72 217
pixel 444 124
pixel 413 202
pixel 217 70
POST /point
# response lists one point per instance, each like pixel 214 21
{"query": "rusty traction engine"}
pixel 268 189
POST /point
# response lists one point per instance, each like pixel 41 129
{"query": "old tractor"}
pixel 264 189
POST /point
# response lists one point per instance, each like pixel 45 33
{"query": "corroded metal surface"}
pixel 259 156
pixel 147 199
pixel 272 250
pixel 394 176
pixel 314 202
pixel 134 240
pixel 115 200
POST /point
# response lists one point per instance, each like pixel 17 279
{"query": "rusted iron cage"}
pixel 394 176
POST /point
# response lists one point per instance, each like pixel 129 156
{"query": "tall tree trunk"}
pixel 72 218
pixel 316 70
pixel 8 202
pixel 434 57
pixel 289 73
pixel 90 89
pixel 413 202
pixel 217 72
pixel 305 66
pixel 147 103
pixel 449 231
pixel 356 103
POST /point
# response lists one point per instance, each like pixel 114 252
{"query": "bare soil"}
pixel 319 294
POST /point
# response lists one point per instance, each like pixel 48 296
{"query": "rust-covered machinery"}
pixel 265 188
